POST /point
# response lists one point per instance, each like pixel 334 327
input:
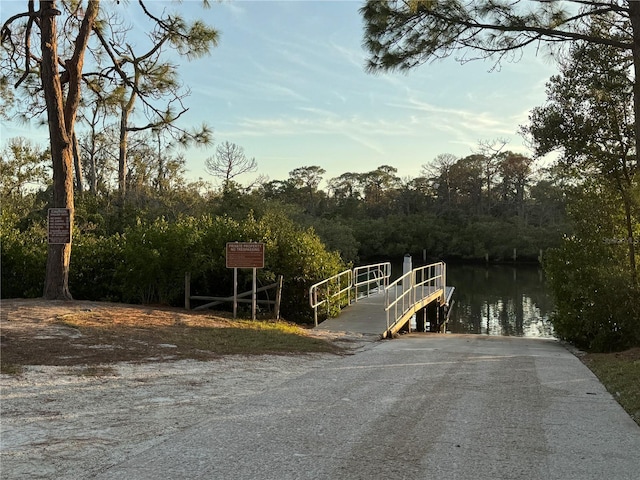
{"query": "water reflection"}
pixel 499 300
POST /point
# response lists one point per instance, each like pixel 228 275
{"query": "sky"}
pixel 287 83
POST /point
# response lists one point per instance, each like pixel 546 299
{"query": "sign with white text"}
pixel 245 255
pixel 59 226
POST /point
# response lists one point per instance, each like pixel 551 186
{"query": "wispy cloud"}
pixel 236 8
pixel 287 82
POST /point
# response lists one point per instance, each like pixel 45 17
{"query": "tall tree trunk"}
pixel 93 186
pixel 160 183
pixel 127 108
pixel 630 237
pixel 488 177
pixel 122 156
pixel 624 187
pixel 91 156
pixel 61 117
pixel 634 15
pixel 59 255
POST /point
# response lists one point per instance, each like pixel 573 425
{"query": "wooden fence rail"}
pixel 241 297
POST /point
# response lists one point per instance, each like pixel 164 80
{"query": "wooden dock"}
pixel 368 315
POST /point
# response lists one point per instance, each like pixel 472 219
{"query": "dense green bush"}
pixel 471 240
pixel 94 272
pixel 148 261
pixel 591 276
pixel 292 251
pixel 156 257
pixel 23 259
pixel 597 306
pixel 302 258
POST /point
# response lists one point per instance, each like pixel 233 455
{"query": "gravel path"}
pixel 72 422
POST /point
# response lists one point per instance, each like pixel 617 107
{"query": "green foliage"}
pixel 23 182
pixel 588 118
pixel 22 168
pixel 146 263
pixel 156 256
pixel 104 215
pixel 206 262
pixel 452 237
pixel 591 281
pixel 96 267
pixel 23 258
pixel 402 34
pixel 597 305
pixel 301 257
pixel 338 236
pixel 139 250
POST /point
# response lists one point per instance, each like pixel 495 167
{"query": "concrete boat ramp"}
pixel 423 406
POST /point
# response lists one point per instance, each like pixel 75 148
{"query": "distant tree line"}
pixel 460 208
pixel 466 208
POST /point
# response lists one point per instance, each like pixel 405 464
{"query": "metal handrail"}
pixel 429 278
pixel 403 294
pixel 322 292
pixel 402 298
pixel 377 274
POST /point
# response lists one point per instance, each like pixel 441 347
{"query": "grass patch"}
pixel 253 339
pixel 94 338
pixel 620 374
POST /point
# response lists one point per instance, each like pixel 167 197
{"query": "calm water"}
pixel 499 300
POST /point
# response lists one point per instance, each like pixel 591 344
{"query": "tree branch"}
pixel 157 124
pixel 561 35
pixel 6 34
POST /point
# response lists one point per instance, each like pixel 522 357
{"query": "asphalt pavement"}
pixel 417 407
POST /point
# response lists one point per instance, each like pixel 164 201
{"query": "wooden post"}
pixel 235 293
pixel 254 295
pixel 278 296
pixel 187 290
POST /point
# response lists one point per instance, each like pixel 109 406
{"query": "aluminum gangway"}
pixel 363 301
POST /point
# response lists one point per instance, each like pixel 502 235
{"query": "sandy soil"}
pixel 73 421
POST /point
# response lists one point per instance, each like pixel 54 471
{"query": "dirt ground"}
pixel 41 332
pixel 93 400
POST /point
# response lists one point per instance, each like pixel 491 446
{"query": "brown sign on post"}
pixel 59 226
pixel 245 255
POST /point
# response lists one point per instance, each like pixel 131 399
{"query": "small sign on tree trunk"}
pixel 59 226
